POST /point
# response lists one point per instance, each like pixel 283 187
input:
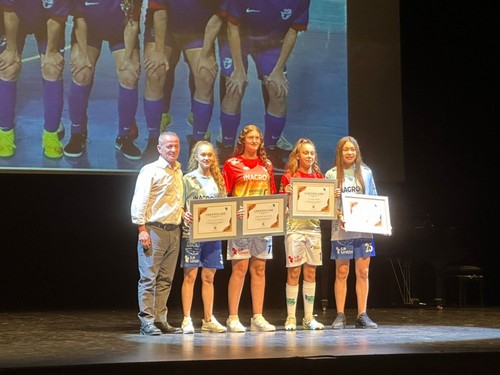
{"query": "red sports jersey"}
pixel 248 177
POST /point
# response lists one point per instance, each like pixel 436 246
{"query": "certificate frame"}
pixel 371 216
pixel 322 198
pixel 269 205
pixel 224 211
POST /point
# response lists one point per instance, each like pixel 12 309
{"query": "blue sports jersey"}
pixel 267 21
pixel 107 19
pixel 33 14
pixel 187 16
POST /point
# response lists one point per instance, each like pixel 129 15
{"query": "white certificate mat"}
pixel 312 198
pixel 366 213
pixel 213 219
pixel 264 215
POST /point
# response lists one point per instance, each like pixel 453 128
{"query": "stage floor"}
pixel 108 341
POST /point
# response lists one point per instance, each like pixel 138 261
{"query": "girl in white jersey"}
pixel 352 176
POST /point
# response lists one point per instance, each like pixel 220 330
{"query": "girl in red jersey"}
pixel 249 173
pixel 302 240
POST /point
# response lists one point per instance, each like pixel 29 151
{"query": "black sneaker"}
pixel 224 152
pixel 76 145
pixel 278 157
pixel 364 321
pixel 126 145
pixel 149 329
pixel 339 322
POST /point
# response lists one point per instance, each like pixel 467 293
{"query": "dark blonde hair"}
pixel 293 163
pixel 240 143
pixel 214 168
pixel 358 162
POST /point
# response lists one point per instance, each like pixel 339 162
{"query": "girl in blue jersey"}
pixel 202 181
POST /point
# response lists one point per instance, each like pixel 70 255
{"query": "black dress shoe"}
pixel 149 329
pixel 167 328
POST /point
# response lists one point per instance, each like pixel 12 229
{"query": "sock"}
pixel 229 125
pixel 202 113
pixel 152 111
pixel 255 316
pixel 8 93
pixel 273 128
pixel 291 292
pixel 127 109
pixel 233 317
pixel 78 102
pixel 308 292
pixel 53 102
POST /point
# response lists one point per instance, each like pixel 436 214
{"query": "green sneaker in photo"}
pixel 52 147
pixel 7 143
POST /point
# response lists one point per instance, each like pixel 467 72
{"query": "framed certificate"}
pixel 213 219
pixel 366 213
pixel 312 198
pixel 264 215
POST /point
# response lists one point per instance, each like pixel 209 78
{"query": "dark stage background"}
pixel 67 240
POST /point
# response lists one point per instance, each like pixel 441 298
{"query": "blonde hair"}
pixel 214 167
pixel 293 163
pixel 358 162
pixel 240 143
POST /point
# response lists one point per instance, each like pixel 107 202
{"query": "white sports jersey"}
pixel 198 186
pixel 352 186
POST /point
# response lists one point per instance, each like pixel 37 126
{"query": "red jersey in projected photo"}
pixel 248 177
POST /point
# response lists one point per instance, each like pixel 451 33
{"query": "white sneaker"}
pixel 187 325
pixel 234 325
pixel 261 325
pixel 290 324
pixel 212 326
pixel 312 324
